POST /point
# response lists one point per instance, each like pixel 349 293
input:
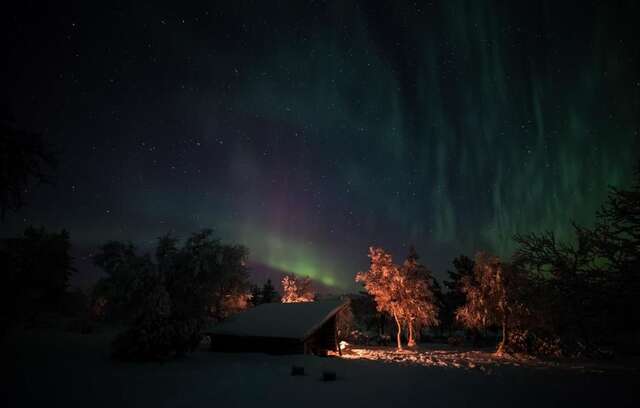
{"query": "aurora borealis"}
pixel 311 130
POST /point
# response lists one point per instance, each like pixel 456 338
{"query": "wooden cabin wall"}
pixel 323 339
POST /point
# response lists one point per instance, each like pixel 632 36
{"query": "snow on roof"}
pixel 282 320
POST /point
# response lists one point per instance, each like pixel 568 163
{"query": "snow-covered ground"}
pixel 442 355
pixel 53 368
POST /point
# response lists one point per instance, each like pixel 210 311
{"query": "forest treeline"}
pixel 551 297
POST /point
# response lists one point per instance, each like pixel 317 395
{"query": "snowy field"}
pixel 57 369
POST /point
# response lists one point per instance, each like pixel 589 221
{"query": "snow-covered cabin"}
pixel 280 328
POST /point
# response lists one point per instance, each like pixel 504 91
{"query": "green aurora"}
pixel 324 128
pixel 472 126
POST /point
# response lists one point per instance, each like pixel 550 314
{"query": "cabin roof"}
pixel 281 320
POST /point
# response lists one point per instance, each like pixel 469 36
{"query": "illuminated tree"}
pixel 405 292
pixel 491 297
pixel 236 302
pixel 289 289
pixel 386 283
pixel 296 290
pixel 419 305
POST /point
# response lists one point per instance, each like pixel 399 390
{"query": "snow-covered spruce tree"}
pixel 295 290
pixel 170 300
pixel 386 283
pixel 150 335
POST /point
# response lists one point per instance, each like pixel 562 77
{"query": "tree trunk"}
pixel 501 346
pixel 411 342
pixel 395 316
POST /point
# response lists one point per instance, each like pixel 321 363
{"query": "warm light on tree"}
pixel 419 303
pixel 491 297
pixel 402 291
pixel 236 302
pixel 295 290
pixel 384 282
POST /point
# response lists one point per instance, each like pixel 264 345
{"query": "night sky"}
pixel 309 130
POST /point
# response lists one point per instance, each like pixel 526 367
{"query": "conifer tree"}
pixel 268 293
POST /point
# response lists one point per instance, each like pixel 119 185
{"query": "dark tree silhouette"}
pixel 36 269
pixel 584 293
pixel 439 301
pixel 111 298
pixel 616 242
pixel 569 278
pixel 454 298
pixel 463 266
pixel 266 294
pixel 152 333
pixel 269 293
pixel 25 160
pixel 166 303
pixel 256 296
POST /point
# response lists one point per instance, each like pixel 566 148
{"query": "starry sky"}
pixel 309 130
